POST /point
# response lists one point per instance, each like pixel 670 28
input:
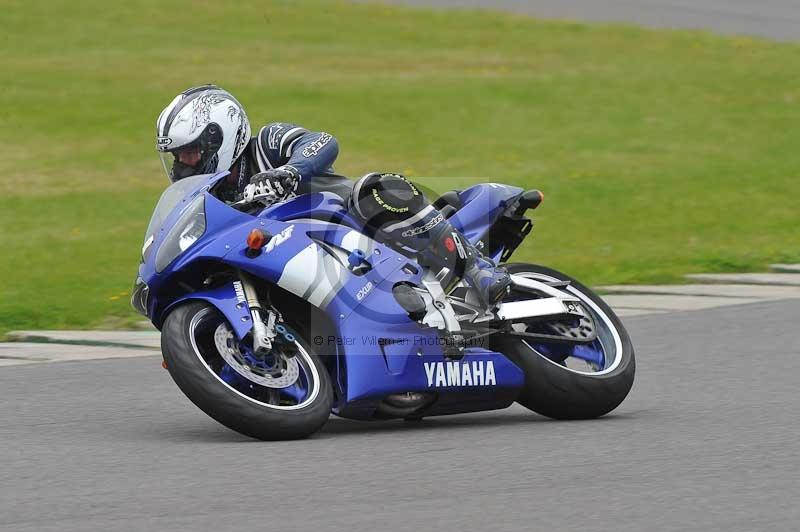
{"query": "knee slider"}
pixel 379 198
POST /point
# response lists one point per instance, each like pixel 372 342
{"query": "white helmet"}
pixel 204 130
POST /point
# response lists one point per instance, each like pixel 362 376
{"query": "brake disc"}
pixel 230 352
pixel 583 330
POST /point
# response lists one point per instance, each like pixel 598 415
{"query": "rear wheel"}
pixel 565 380
pixel 284 396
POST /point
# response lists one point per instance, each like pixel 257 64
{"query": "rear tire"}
pixel 220 401
pixel 555 391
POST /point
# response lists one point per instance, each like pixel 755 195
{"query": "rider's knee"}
pixel 380 198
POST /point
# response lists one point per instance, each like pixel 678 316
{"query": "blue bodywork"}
pixel 378 350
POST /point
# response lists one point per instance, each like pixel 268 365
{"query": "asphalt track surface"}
pixel 709 439
pixel 776 19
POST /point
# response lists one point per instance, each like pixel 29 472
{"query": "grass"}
pixel 660 153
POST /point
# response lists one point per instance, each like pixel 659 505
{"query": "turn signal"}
pixel 256 240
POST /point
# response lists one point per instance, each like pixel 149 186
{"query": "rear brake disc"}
pixel 584 330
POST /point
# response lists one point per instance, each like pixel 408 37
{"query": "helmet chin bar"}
pixel 181 171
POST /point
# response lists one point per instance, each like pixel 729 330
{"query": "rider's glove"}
pixel 273 185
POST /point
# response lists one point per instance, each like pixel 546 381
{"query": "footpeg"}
pixel 455 344
pixel 408 298
pixel 453 348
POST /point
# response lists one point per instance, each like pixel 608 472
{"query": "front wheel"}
pixel 283 397
pixel 566 380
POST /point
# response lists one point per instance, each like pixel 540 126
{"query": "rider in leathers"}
pixel 205 130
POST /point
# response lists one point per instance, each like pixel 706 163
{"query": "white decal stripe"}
pixel 330 282
pixel 290 147
pixel 159 128
pixel 327 300
pixel 355 240
pixel 261 156
pixel 407 223
pixel 300 270
pixel 286 136
pixel 162 118
pixel 312 265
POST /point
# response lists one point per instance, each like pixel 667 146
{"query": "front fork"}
pixel 266 334
pixel 263 333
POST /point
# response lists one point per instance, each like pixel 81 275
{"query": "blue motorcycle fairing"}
pixel 173 202
pixel 380 351
pixel 299 264
pixel 222 223
pixel 294 262
pixel 218 217
pixel 481 206
pixel 227 301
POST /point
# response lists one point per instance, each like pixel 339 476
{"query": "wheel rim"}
pixel 301 387
pixel 607 348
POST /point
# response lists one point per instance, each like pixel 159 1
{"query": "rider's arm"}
pixel 311 153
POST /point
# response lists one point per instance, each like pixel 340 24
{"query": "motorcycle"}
pixel 273 317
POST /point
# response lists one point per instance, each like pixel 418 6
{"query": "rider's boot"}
pixel 491 281
pixel 448 248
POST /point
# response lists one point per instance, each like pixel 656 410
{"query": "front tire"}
pixel 193 363
pixel 551 387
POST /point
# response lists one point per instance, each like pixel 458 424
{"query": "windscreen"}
pixel 170 198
